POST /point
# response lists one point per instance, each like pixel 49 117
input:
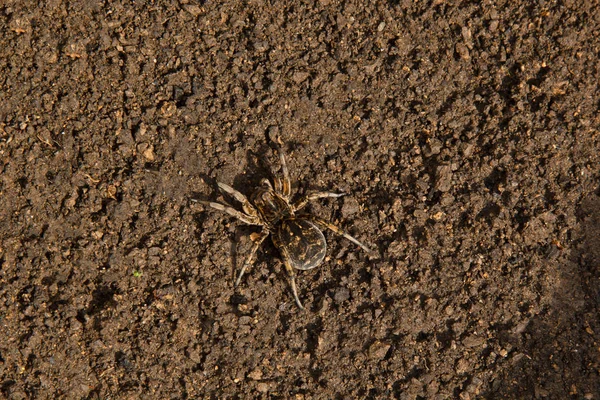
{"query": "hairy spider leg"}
pixel 246 205
pixel 250 258
pixel 248 219
pixel 277 183
pixel 287 186
pixel 292 274
pixel 303 201
pixel 325 224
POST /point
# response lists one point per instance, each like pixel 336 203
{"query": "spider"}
pixel 296 235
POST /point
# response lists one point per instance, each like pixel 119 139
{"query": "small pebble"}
pixel 378 350
pixel 255 375
pixel 341 295
pixel 262 387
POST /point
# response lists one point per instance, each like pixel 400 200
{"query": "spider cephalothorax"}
pixel 296 235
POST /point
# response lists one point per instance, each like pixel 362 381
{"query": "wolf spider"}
pixel 296 235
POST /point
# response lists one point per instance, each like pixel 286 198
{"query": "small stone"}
pixel 494 25
pixel 473 341
pixel 154 251
pixel 168 109
pixel 71 201
pixel 434 146
pixel 194 355
pixel 444 178
pixel 300 76
pixel 255 375
pixel 75 324
pixel 193 9
pixel 147 151
pixel 341 295
pixel 262 387
pixel 520 328
pixel 467 36
pixel 350 207
pixel 19 25
pixel 378 350
pixel 462 366
pixel 463 51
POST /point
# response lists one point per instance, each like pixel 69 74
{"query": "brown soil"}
pixel 466 136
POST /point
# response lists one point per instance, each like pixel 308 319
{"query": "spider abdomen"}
pixel 300 242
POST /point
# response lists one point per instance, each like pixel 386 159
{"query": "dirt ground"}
pixel 465 135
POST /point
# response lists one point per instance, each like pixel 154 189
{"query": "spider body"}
pixel 296 235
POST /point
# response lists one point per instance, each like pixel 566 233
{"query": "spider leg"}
pixel 292 274
pixel 248 208
pixel 325 224
pixel 303 201
pixel 278 185
pixel 287 186
pixel 248 219
pixel 250 258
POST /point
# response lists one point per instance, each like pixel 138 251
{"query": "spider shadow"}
pixel 258 169
pixel 264 163
pixel 246 184
pixel 209 181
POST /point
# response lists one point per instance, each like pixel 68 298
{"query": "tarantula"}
pixel 296 235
